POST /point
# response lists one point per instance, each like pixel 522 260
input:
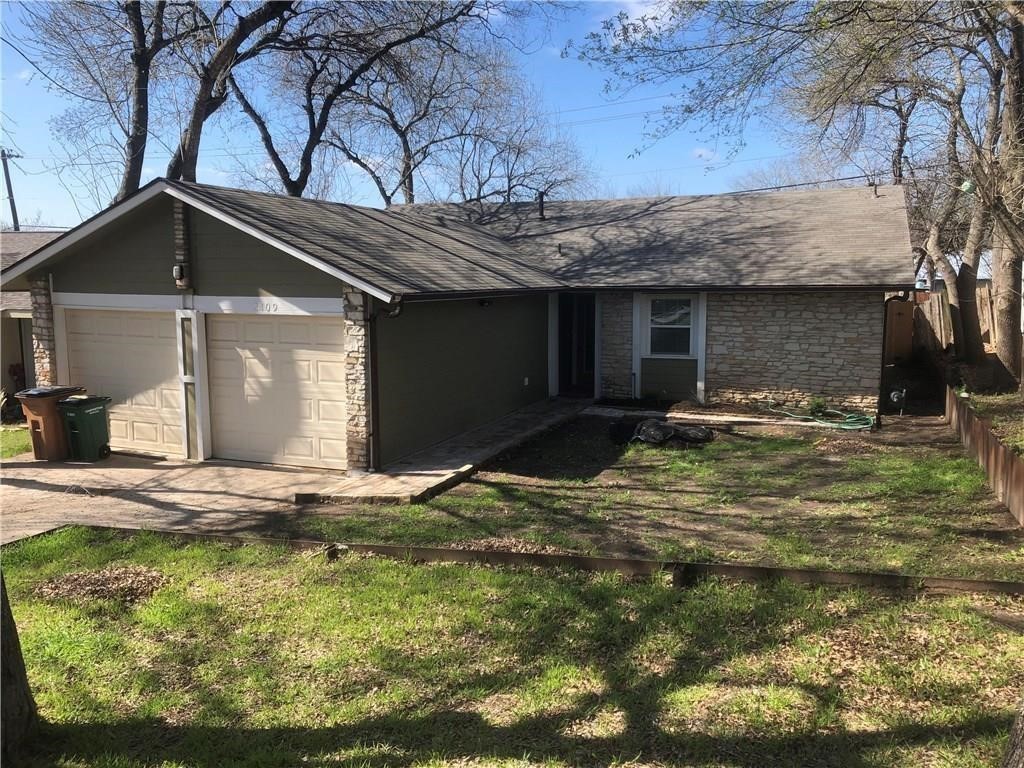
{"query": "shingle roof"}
pixel 14 246
pixel 810 238
pixel 838 238
pixel 395 253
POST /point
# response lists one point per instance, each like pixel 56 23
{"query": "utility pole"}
pixel 4 155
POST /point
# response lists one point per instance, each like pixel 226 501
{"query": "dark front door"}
pixel 576 344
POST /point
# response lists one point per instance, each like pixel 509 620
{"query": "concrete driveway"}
pixel 129 491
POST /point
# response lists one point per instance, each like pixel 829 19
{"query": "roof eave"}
pixel 660 288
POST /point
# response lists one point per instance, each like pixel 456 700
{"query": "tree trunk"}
pixel 967 303
pixel 967 285
pixel 211 91
pixel 19 716
pixel 135 146
pixel 186 159
pixel 1006 297
pixel 1015 749
pixel 408 186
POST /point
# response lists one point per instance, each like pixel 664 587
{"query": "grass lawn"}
pixel 14 441
pixel 260 656
pixel 1007 414
pixel 904 500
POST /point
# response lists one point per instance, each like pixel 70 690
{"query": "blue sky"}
pixel 608 131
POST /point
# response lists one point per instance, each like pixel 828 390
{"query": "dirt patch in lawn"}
pixel 125 584
pixel 510 544
pixel 904 499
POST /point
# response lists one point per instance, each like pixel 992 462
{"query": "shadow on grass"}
pixel 536 623
pixel 404 740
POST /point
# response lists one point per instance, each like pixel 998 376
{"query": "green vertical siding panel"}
pixel 668 379
pixel 445 367
pixel 231 263
pixel 135 254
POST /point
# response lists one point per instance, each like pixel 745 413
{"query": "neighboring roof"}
pixel 15 301
pixel 802 239
pixel 15 246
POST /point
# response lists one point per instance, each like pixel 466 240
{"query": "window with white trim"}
pixel 669 326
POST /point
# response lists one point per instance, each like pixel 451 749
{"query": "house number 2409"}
pixel 264 307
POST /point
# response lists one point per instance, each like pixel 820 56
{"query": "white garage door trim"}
pixel 127 439
pixel 277 389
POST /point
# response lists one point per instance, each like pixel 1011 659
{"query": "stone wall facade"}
pixel 794 346
pixel 357 379
pixel 44 349
pixel 616 353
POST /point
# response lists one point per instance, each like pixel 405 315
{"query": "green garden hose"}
pixel 839 420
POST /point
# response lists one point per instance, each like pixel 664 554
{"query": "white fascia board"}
pixel 142 302
pixel 269 305
pixel 281 245
pixel 83 231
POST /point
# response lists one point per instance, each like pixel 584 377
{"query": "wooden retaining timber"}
pixel 683 573
pixel 1003 467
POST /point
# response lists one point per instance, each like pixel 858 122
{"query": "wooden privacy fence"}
pixel 933 323
pixel 1004 468
pixel 933 326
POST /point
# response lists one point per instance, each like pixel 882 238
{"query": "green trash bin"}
pixel 85 424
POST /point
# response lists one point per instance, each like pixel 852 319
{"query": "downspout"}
pixel 904 296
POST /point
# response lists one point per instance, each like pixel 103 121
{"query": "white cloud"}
pixel 24 74
pixel 638 8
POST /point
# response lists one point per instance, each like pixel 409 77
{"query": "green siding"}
pixel 232 263
pixel 668 379
pixel 134 255
pixel 447 366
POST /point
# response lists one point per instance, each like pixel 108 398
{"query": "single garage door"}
pixel 277 389
pixel 132 357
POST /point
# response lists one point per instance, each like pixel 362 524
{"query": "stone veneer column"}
pixel 616 344
pixel 356 381
pixel 44 349
pixel 182 250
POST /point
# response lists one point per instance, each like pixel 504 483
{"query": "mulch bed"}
pixel 126 584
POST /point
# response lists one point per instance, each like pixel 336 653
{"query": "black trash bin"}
pixel 85 424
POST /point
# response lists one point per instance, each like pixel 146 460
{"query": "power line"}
pixel 610 104
pixel 694 167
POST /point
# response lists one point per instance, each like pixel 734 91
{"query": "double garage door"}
pixel 276 384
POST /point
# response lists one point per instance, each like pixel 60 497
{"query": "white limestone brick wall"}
pixel 794 346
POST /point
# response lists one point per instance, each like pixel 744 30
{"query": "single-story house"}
pixel 239 325
pixel 16 368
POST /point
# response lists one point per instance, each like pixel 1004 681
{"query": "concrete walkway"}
pixel 133 492
pixel 228 497
pixel 431 471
